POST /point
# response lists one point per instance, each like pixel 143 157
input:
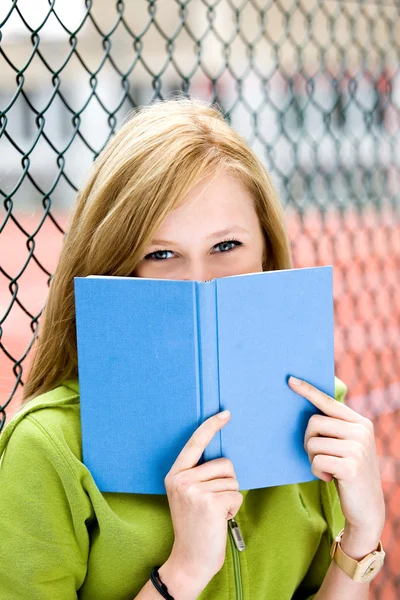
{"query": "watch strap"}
pixel 344 561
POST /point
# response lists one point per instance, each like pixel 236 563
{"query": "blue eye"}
pixel 229 242
pixel 152 255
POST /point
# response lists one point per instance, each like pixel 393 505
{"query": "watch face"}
pixel 372 569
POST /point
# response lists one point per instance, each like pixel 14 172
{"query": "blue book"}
pixel 156 357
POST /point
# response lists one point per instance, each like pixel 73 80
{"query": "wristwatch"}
pixel 363 570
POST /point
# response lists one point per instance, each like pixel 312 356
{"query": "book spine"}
pixel 207 327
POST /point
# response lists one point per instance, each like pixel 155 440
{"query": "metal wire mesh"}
pixel 314 86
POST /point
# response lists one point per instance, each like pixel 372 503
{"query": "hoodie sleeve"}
pixel 334 518
pixel 43 538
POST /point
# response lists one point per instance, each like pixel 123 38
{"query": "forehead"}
pixel 219 201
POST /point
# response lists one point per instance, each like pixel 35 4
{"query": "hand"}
pixel 341 445
pixel 202 498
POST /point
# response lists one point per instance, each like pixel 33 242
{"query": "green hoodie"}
pixel 61 538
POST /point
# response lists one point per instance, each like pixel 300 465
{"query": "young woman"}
pixel 177 194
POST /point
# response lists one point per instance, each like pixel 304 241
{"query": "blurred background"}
pixel 313 85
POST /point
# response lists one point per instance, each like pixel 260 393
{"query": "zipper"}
pixel 237 545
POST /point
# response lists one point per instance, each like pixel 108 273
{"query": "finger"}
pixel 228 484
pixel 333 447
pixel 342 469
pixel 195 446
pixel 232 501
pixel 320 425
pixel 213 469
pixel 328 405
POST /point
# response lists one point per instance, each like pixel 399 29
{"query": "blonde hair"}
pixel 143 173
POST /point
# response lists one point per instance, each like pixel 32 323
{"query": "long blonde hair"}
pixel 144 172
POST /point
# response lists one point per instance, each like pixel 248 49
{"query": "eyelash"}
pixel 150 256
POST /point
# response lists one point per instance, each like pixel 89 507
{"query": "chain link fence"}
pixel 314 86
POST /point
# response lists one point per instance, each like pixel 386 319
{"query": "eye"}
pixel 233 241
pixel 153 255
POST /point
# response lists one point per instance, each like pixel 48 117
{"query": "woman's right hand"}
pixel 202 498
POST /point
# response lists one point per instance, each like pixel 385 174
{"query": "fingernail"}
pixel 294 380
pixel 224 414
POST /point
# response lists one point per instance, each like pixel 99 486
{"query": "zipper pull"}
pixel 237 535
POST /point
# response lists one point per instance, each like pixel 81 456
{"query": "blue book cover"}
pixel 156 357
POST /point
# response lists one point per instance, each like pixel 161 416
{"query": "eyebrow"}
pixel 216 234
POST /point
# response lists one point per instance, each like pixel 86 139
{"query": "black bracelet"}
pixel 159 585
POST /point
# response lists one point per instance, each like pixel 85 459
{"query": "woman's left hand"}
pixel 341 445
